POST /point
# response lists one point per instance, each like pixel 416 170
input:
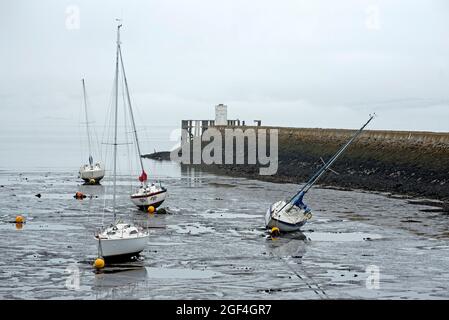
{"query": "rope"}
pixel 100 247
pixel 80 134
pixel 318 290
pixel 125 124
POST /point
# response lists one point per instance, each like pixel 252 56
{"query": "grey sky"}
pixel 286 62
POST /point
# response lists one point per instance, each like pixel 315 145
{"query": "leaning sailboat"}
pixel 290 215
pixel 148 194
pixel 119 239
pixel 91 172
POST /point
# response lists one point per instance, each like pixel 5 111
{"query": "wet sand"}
pixel 212 244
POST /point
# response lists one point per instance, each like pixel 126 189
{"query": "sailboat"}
pixel 147 195
pixel 290 215
pixel 91 173
pixel 119 239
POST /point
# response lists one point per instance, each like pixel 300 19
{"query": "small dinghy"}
pixel 91 173
pixel 291 214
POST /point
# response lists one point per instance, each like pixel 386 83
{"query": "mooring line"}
pixel 316 291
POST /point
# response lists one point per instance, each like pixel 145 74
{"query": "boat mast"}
pixel 87 123
pixel 131 110
pixel 116 116
pixel 327 165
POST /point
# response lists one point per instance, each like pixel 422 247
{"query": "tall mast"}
pixel 317 175
pixel 87 123
pixel 116 116
pixel 327 165
pixel 131 111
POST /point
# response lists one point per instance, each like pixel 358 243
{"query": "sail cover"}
pixel 143 177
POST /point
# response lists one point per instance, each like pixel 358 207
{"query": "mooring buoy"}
pixel 99 263
pixel 79 195
pixel 20 219
pixel 275 232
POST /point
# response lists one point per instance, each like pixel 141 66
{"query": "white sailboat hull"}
pixel 284 219
pixel 122 247
pixel 121 240
pixel 89 173
pixel 144 199
pixel 283 227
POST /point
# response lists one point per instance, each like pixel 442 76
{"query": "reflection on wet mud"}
pixel 287 245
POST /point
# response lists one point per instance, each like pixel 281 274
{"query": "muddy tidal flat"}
pixel 212 245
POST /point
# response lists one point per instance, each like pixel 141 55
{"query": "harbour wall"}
pixel 399 162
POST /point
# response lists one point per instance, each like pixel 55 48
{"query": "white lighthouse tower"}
pixel 221 115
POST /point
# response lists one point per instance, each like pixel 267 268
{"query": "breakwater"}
pixel 399 162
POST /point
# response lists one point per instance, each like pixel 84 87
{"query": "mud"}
pixel 211 244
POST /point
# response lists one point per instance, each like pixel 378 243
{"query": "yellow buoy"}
pixel 151 209
pixel 92 181
pixel 99 263
pixel 275 231
pixel 20 219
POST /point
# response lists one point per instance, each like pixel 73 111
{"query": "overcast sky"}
pixel 286 62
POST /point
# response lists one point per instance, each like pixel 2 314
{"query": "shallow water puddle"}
pixel 120 277
pixel 39 227
pixel 341 237
pixel 191 228
pixel 228 215
pixel 168 243
pixel 178 273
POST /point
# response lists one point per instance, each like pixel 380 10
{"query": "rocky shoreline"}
pixel 414 164
pixel 161 156
pixel 439 204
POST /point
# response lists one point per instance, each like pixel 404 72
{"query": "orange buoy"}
pixel 99 263
pixel 151 209
pixel 79 195
pixel 20 219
